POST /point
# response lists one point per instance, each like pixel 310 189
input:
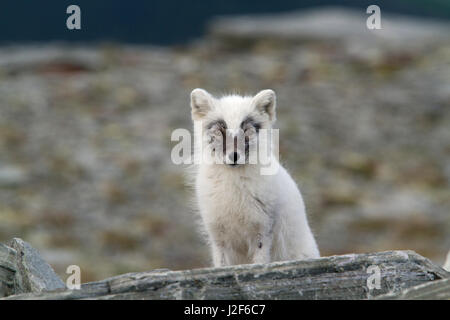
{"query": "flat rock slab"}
pixel 436 290
pixel 335 277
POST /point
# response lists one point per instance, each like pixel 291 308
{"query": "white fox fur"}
pixel 248 217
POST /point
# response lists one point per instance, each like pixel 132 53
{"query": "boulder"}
pixel 351 276
pixel 22 269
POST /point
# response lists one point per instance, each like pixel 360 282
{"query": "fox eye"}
pixel 250 126
pixel 249 131
pixel 217 128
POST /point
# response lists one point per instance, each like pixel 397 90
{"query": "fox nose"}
pixel 234 157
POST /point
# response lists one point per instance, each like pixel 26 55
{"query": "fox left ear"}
pixel 265 102
pixel 201 103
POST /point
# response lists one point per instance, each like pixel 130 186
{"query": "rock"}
pixel 31 272
pixel 11 176
pixel 53 59
pixel 7 270
pixel 436 290
pixel 327 24
pixel 335 277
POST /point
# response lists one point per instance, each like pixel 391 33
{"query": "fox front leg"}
pixel 218 256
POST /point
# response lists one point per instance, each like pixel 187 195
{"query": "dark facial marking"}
pixel 247 124
pixel 250 121
pixel 219 123
pixel 222 127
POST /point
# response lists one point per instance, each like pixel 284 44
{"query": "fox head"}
pixel 231 126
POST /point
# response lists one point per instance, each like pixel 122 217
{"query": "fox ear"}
pixel 265 102
pixel 201 103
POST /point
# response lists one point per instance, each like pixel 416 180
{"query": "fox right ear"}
pixel 265 102
pixel 201 103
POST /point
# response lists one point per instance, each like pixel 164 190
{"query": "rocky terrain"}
pixel 400 275
pixel 364 118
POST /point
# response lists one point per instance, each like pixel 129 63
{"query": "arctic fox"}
pixel 248 217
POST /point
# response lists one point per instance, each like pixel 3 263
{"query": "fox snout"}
pixel 233 150
pixel 233 158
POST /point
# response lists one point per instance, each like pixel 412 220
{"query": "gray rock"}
pixel 32 274
pixel 77 58
pixel 7 270
pixel 328 24
pixel 11 176
pixel 335 277
pixel 436 290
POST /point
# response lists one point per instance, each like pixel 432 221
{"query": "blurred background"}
pixel 86 117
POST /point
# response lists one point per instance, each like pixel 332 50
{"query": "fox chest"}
pixel 234 219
